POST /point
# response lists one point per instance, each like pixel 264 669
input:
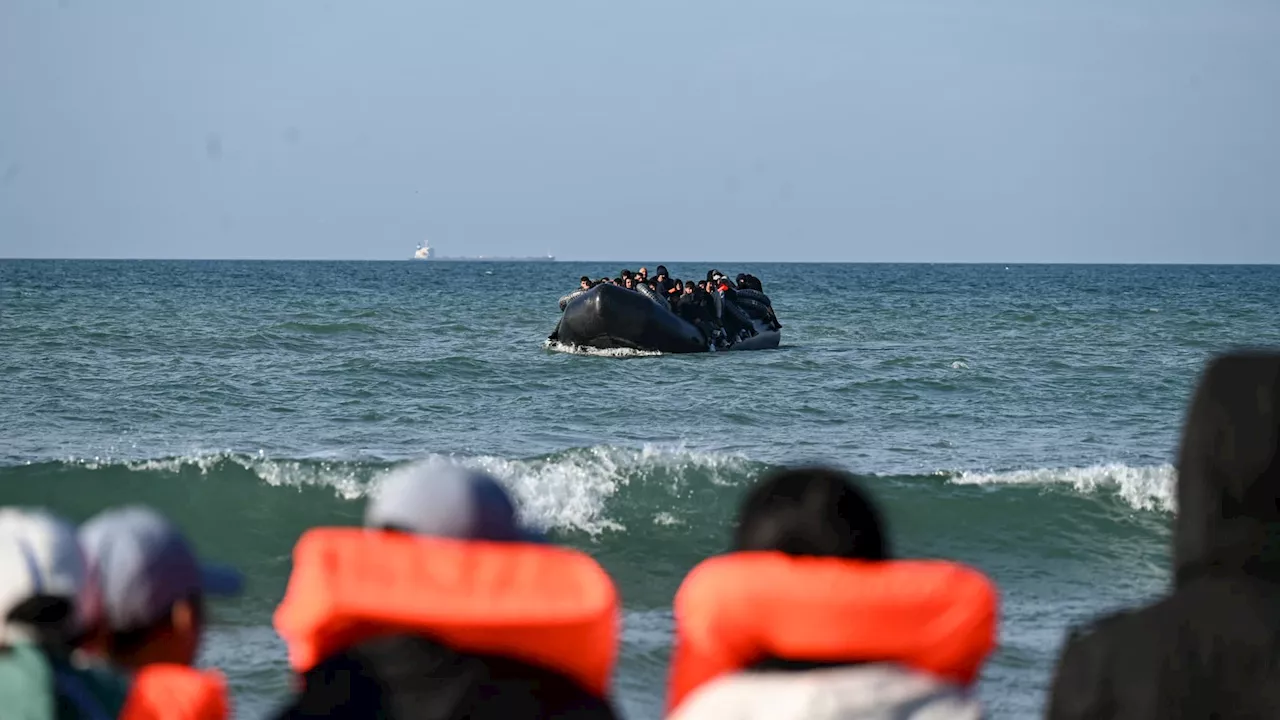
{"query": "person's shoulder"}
pixel 853 691
pixel 92 680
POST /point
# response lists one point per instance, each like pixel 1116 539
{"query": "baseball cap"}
pixel 145 565
pixel 40 557
pixel 444 499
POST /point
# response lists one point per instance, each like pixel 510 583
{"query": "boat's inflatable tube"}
pixel 645 291
pixel 718 300
pixel 608 316
pixel 565 300
pixel 738 313
pixel 755 309
pixel 748 294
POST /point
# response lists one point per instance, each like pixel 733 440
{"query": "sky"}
pixel 721 130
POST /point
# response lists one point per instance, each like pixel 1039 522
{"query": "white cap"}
pixel 40 556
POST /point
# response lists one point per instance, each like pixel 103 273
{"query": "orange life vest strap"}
pixel 546 605
pixel 176 692
pixel 737 609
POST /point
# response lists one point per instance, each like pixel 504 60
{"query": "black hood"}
pixel 1229 471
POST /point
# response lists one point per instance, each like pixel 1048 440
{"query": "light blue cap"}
pixel 145 565
pixel 444 499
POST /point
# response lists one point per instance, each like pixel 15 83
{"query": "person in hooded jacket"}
pixel 696 307
pixel 1209 648
pixel 662 282
pixel 810 617
pixel 446 607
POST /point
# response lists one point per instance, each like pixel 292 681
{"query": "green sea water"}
pixel 1021 418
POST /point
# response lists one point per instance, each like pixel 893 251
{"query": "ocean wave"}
pixel 1151 487
pixel 568 490
pixel 592 490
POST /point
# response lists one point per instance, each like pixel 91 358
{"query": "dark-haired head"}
pixel 813 511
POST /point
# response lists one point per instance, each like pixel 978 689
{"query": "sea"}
pixel 1021 418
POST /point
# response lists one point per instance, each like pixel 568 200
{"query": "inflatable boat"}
pixel 608 316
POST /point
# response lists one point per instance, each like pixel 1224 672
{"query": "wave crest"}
pixel 1151 487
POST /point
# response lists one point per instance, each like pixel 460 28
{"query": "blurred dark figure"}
pixel 445 607
pixel 1211 648
pixel 810 617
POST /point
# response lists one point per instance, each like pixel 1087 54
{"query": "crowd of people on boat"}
pixel 702 303
pixel 443 605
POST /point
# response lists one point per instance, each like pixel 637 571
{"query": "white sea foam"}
pixel 1144 488
pixel 567 490
pixel 599 352
pixel 570 490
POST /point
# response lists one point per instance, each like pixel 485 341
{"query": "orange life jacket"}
pixel 734 610
pixel 176 692
pixel 549 606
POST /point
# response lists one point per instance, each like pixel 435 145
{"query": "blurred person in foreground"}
pixel 49 604
pixel 443 606
pixel 1210 647
pixel 154 593
pixel 810 617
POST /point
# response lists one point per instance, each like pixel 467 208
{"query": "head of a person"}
pixel 813 511
pixel 604 280
pixel 660 272
pixel 49 595
pixel 1228 490
pixel 678 286
pixel 643 273
pixel 584 282
pixel 154 588
pixel 629 282
pixel 689 288
pixel 617 281
pixel 626 274
pixel 440 498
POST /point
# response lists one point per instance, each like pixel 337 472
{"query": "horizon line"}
pixel 648 262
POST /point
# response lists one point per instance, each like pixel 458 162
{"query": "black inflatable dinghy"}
pixel 608 316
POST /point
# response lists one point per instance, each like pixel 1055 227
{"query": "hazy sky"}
pixel 841 130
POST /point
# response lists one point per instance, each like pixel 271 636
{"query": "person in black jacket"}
pixel 696 307
pixel 1211 648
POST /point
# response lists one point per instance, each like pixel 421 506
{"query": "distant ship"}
pixel 425 252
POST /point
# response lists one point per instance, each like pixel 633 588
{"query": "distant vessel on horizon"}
pixel 426 252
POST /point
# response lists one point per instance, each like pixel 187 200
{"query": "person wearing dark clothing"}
pixel 1209 648
pixel 661 281
pixel 585 283
pixel 675 288
pixel 695 307
pixel 432 681
pixel 736 326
